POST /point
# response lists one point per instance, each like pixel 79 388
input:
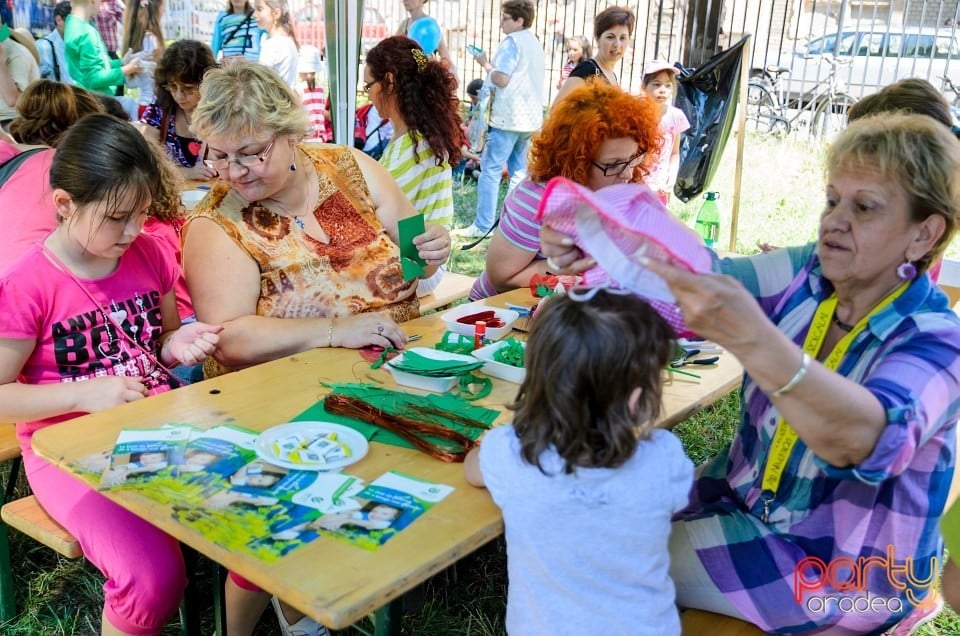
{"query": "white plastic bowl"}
pixel 436 384
pixel 190 198
pixel 508 316
pixel 499 369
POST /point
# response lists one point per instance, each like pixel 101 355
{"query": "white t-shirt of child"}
pixel 587 552
pixel 280 53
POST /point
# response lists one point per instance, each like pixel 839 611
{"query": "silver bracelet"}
pixel 795 380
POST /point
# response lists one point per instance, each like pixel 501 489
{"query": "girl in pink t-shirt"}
pixel 90 322
pixel 659 83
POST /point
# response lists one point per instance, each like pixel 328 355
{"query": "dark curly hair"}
pixel 584 359
pixel 185 61
pixel 425 94
pixel 46 109
pixel 576 126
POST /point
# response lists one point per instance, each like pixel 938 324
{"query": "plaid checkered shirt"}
pixel 885 508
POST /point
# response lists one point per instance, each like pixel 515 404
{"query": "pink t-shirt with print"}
pixel 75 340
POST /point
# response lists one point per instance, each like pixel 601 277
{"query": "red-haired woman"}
pixel 598 135
pixel 417 94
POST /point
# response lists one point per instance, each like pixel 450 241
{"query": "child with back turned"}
pixel 586 483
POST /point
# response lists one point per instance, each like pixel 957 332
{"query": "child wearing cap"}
pixel 659 83
pixel 312 96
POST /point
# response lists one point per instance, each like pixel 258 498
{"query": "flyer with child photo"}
pixel 145 453
pixel 388 504
pixel 224 490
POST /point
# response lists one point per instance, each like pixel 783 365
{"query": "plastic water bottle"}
pixel 707 224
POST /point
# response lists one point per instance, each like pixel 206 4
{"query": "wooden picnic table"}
pixel 334 582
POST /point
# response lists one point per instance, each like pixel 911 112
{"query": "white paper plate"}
pixel 355 441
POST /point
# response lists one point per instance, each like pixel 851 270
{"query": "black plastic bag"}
pixel 708 96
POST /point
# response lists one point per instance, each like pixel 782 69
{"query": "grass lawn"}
pixel 781 199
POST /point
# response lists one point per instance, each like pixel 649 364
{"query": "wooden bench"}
pixel 28 516
pixel 452 287
pixel 695 622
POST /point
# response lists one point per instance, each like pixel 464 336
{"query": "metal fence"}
pixel 886 39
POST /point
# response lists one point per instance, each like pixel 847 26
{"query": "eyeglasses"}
pixel 185 89
pixel 368 86
pixel 617 168
pixel 247 161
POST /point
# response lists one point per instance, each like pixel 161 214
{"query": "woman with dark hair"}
pixel 612 30
pixel 417 94
pixel 178 78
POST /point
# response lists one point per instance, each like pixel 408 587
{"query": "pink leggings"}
pixel 143 565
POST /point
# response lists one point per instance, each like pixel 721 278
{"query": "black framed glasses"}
pixel 247 161
pixel 616 169
pixel 368 85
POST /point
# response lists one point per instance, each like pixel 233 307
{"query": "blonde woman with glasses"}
pixel 295 247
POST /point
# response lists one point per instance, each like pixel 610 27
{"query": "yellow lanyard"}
pixel 785 438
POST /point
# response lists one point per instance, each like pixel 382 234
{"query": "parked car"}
pixel 309 27
pixel 879 55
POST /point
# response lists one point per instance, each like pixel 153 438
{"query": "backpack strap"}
pixel 10 166
pixel 236 29
pixel 53 56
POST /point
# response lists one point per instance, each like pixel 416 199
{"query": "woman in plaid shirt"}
pixel 820 517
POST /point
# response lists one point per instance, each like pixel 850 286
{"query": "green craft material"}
pixel 466 391
pixel 397 402
pixel 455 343
pixel 383 358
pixel 510 353
pixel 413 362
pixel 410 261
pixel 543 291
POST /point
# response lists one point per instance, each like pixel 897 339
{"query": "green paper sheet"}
pixel 410 261
pixel 394 401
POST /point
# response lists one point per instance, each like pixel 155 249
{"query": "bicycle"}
pixel 826 105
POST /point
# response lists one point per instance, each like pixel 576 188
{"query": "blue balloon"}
pixel 426 33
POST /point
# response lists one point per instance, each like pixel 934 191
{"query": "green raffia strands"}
pixel 510 353
pixel 455 343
